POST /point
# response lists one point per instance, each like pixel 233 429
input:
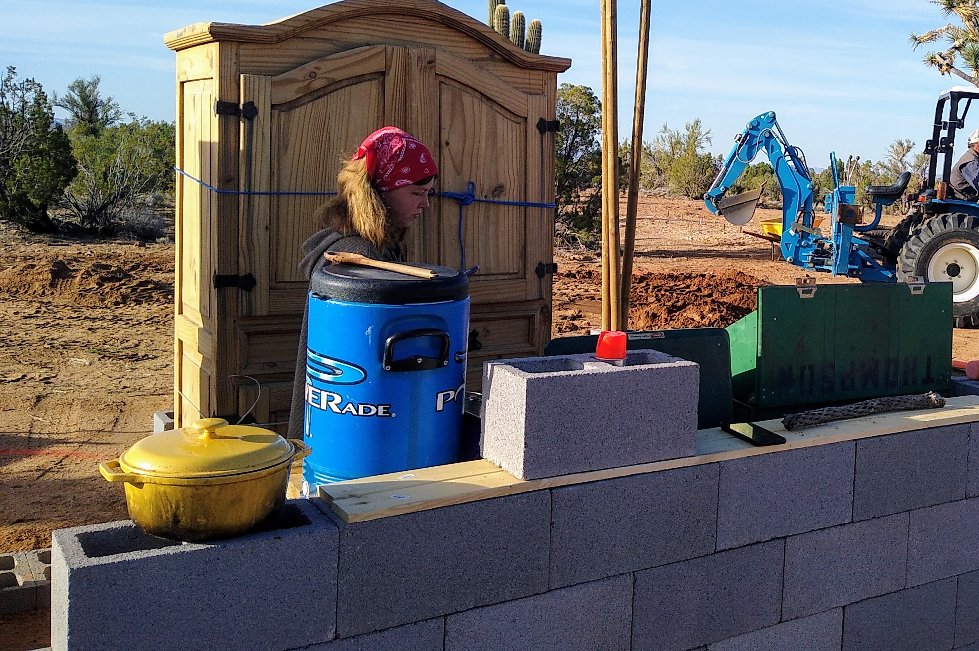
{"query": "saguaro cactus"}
pixel 517 26
pixel 491 21
pixel 534 34
pixel 501 21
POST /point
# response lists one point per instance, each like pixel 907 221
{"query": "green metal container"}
pixel 820 344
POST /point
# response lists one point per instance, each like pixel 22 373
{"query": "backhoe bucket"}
pixel 738 209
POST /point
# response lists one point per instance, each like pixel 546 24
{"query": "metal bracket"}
pixel 805 286
pixel 246 283
pixel 247 111
pixel 917 286
pixel 754 434
pixel 548 125
pixel 544 269
pixel 802 228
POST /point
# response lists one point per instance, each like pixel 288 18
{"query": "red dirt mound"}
pixel 91 281
pixel 658 301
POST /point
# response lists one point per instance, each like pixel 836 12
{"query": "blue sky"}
pixel 840 75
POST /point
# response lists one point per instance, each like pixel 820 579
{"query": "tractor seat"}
pixel 885 195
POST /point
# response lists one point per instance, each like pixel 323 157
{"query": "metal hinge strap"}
pixel 544 269
pixel 247 111
pixel 246 283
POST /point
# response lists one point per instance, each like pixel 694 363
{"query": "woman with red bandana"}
pixel 380 192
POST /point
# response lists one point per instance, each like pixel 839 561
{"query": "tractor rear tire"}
pixel 897 236
pixel 945 248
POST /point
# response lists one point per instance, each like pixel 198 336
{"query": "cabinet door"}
pixel 309 119
pixel 488 135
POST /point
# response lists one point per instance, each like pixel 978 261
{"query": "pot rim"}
pixel 118 471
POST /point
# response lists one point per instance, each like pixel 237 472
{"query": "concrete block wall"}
pixel 815 547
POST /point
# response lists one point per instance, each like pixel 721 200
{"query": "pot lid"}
pixel 207 448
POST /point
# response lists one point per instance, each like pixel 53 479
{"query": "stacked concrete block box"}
pixel 116 587
pixel 25 581
pixel 550 416
pixel 805 547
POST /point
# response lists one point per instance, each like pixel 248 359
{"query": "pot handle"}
pixel 302 450
pixel 113 473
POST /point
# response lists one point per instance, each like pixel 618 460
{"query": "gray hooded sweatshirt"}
pixel 326 240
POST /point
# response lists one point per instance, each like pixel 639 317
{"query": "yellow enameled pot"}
pixel 206 481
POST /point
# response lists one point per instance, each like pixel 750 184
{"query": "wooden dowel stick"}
pixel 342 257
pixel 635 161
pixel 610 166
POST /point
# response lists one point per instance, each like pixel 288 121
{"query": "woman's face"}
pixel 405 204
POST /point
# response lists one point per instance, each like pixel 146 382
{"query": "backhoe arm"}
pixel 791 172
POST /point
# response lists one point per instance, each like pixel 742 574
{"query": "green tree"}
pixel 88 111
pixel 36 161
pixel 118 168
pixel 578 166
pixel 962 41
pixel 756 176
pixel 680 157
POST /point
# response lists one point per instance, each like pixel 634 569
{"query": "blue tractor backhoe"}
pixel 938 239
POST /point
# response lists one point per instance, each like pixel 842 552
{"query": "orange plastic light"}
pixel 611 345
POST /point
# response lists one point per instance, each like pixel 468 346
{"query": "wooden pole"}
pixel 610 170
pixel 606 316
pixel 635 160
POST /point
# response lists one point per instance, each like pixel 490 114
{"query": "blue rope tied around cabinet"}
pixel 464 199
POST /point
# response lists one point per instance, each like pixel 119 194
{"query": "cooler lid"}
pixel 356 284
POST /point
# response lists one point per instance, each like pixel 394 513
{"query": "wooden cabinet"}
pixel 308 89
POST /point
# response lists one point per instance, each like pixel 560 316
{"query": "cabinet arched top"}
pixel 331 16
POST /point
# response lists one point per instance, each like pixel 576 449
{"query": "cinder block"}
pixel 708 599
pixel 822 632
pixel 622 525
pixel 25 581
pixel 910 470
pixel 421 565
pixel 943 541
pixel 39 560
pixel 271 589
pixel 842 565
pixel 162 421
pixel 784 492
pixel 550 416
pixel 967 610
pixel 909 620
pixel 593 616
pixel 420 636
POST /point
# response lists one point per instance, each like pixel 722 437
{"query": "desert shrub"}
pixel 118 168
pixel 36 161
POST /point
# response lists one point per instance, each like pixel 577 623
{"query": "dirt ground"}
pixel 86 347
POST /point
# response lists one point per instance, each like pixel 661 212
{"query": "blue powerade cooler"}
pixel 385 371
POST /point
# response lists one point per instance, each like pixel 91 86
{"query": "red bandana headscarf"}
pixel 395 158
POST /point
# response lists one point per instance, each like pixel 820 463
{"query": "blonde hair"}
pixel 358 208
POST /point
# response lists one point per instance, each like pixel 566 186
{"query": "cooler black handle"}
pixel 416 362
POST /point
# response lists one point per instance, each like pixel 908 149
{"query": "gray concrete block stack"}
pixel 112 582
pixel 657 560
pixel 421 565
pixel 25 581
pixel 550 416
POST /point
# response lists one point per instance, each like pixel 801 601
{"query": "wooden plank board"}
pixel 371 498
pixel 358 488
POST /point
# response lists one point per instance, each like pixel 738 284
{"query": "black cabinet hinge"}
pixel 246 282
pixel 548 125
pixel 248 110
pixel 544 269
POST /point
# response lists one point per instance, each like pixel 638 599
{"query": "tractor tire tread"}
pixel 965 314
